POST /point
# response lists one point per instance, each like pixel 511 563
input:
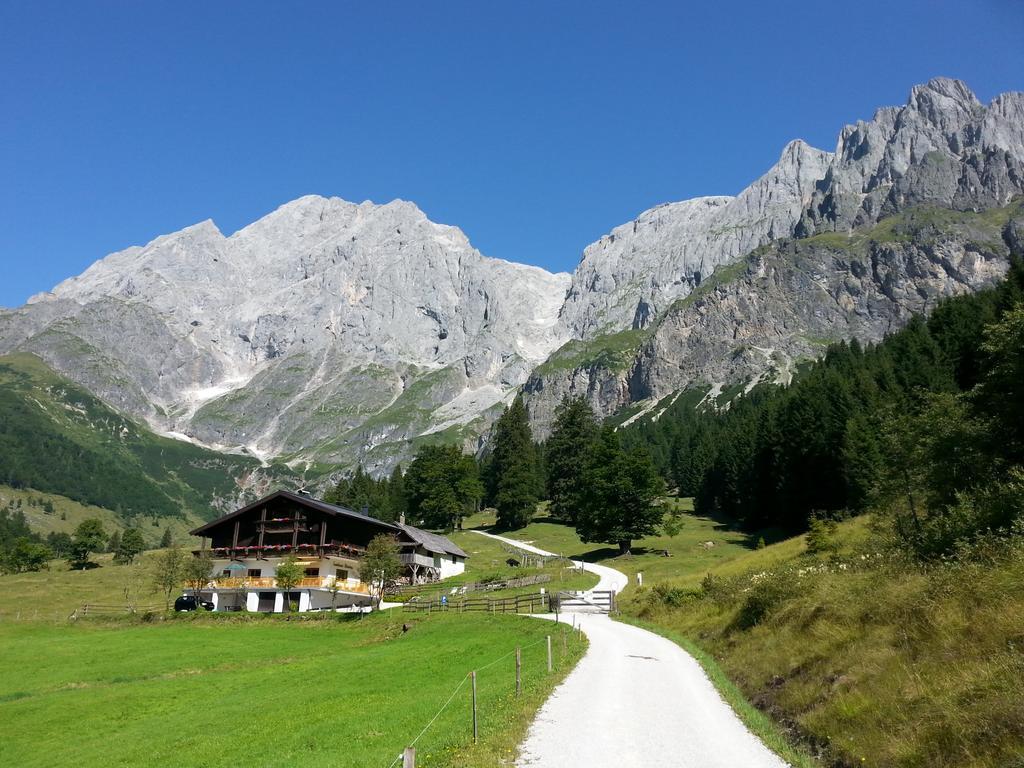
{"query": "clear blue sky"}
pixel 534 126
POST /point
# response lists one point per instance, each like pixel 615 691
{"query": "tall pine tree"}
pixel 513 471
pixel 574 431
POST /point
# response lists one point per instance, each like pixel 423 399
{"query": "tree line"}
pixel 607 491
pixel 926 426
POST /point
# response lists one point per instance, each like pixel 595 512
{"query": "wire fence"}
pixel 471 676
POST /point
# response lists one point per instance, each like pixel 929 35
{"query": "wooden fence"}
pixel 536 602
pixel 96 609
pixel 436 589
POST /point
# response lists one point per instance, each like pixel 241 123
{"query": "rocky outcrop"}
pixel 943 147
pixel 789 300
pixel 637 270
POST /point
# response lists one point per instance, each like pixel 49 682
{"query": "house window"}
pixel 342 574
pixel 254 573
pixel 453 558
pixel 225 572
pixel 312 573
pixel 437 561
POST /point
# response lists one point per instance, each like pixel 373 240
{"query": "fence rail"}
pixel 97 609
pixel 536 602
pixel 438 588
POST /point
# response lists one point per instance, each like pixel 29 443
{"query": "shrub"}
pixel 674 597
pixel 768 592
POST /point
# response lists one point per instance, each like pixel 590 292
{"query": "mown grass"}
pixel 701 544
pixel 216 691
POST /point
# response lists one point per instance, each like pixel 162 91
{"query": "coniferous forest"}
pixel 927 425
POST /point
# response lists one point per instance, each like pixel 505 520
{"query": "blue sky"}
pixel 534 126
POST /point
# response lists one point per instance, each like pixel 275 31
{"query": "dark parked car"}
pixel 189 603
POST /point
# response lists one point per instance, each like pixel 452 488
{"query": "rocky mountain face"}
pixel 325 330
pixel 329 333
pixel 629 276
pixel 822 266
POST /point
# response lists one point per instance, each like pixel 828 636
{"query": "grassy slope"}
pixel 202 692
pixel 873 665
pixel 68 513
pixel 53 594
pixel 58 438
pixel 690 556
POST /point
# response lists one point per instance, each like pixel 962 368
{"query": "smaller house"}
pixel 328 541
pixel 428 556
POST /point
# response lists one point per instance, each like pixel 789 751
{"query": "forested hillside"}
pixel 929 421
pixel 56 437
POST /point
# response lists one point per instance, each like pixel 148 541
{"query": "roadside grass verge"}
pixel 866 659
pixel 213 691
pixel 767 730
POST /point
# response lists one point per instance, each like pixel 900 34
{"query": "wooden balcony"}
pixel 310 583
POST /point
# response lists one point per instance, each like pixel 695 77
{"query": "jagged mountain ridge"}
pixel 839 278
pixel 336 332
pixel 245 340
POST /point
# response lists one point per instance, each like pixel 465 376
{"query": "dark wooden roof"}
pixel 432 542
pixel 306 501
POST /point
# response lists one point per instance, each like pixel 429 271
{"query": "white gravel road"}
pixel 636 700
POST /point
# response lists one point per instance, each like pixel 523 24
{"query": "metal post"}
pixel 473 675
pixel 519 667
pixel 409 757
pixel 549 653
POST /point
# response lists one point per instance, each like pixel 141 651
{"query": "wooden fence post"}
pixel 519 666
pixel 409 757
pixel 549 653
pixel 473 675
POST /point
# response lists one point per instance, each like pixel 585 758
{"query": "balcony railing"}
pixel 344 585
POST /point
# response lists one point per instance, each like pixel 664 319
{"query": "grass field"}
pixel 701 544
pixel 221 691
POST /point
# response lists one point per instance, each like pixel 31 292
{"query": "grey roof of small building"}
pixel 432 542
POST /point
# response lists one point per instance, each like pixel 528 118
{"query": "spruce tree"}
pixel 516 484
pixel 573 433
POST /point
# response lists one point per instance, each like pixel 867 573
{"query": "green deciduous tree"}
pixel 288 575
pixel 169 572
pixel 622 488
pixel 88 537
pixel 573 433
pixel 380 566
pixel 27 555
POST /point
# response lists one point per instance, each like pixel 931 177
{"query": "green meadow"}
pixel 258 691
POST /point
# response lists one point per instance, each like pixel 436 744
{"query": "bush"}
pixel 769 591
pixel 674 597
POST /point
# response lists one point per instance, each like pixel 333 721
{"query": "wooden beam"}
pixel 263 525
pixel 234 539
